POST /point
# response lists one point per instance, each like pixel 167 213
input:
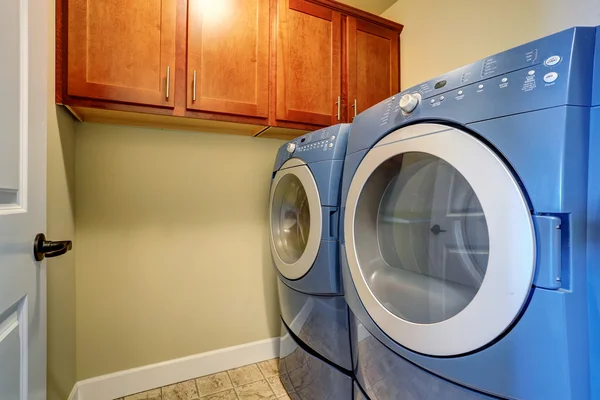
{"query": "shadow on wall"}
pixel 269 275
pixel 60 193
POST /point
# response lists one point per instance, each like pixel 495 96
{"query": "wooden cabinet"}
pixel 373 65
pixel 228 57
pixel 250 67
pixel 122 50
pixel 309 58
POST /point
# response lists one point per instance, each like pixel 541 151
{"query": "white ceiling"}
pixel 372 6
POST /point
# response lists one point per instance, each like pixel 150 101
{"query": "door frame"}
pixel 301 266
pixel 512 258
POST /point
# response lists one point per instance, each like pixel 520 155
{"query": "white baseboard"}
pixel 73 395
pixel 123 383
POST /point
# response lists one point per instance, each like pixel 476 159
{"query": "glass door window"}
pixel 296 219
pixel 439 240
pixel 290 219
pixel 432 237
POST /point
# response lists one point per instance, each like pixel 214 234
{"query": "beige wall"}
pixel 441 35
pixel 61 371
pixel 172 250
pixel 372 6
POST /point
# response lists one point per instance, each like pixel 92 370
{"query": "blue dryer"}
pixel 304 221
pixel 593 228
pixel 464 230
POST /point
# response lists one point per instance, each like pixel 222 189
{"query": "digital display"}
pixel 440 84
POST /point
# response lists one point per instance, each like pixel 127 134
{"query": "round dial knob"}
pixel 291 147
pixel 409 102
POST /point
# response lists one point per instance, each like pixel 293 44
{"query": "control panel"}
pixel 322 140
pixel 533 67
pixel 518 91
pixel 325 144
pixel 549 72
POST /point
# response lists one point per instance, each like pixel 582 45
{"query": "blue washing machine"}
pixel 304 220
pixel 465 202
pixel 593 231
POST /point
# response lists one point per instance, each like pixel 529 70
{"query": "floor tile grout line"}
pixel 267 377
pixel 197 389
pixel 260 370
pixel 247 383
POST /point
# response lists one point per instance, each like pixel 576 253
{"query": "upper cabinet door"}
pixel 122 50
pixel 308 63
pixel 373 65
pixel 228 57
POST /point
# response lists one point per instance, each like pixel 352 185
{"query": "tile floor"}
pixel 251 382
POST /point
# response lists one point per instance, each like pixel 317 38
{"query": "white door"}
pixel 439 239
pixel 23 97
pixel 296 219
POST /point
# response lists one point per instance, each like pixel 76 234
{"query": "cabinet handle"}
pixel 339 105
pixel 355 108
pixel 168 81
pixel 194 88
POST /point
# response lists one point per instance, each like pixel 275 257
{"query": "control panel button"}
pixel 504 80
pixel 291 147
pixel 460 92
pixel 550 61
pixel 333 137
pixel 480 87
pixel 532 72
pixel 550 77
pixel 409 102
pixel 432 101
pixel 442 98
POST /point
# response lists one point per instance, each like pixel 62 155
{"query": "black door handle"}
pixel 46 248
pixel 436 229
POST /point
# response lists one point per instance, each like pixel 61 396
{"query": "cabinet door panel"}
pixel 121 50
pixel 373 64
pixel 308 63
pixel 228 48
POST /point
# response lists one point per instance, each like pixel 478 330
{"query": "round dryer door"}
pixel 296 219
pixel 439 239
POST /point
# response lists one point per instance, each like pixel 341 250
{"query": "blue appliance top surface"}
pixel 322 145
pixel 548 72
